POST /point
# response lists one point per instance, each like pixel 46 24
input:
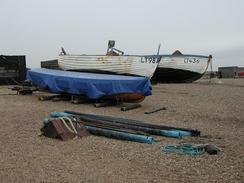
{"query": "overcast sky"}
pixel 38 28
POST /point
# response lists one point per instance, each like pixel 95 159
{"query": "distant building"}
pixel 12 69
pixel 240 72
pixel 230 72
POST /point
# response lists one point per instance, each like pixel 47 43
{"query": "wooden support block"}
pixel 130 107
pixel 78 99
pixel 107 103
pixel 46 97
pixel 61 98
pixel 104 104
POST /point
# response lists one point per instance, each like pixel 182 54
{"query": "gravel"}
pixel 216 109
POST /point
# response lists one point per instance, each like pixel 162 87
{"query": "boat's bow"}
pixel 181 68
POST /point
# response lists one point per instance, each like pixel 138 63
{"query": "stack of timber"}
pixel 109 126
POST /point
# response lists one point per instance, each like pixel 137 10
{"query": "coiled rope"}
pixel 183 149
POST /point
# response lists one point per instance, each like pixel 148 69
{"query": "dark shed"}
pixel 12 69
pixel 227 72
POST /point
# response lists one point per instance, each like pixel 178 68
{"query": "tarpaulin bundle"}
pixel 132 124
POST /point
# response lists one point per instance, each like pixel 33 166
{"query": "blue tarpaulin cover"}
pixel 90 84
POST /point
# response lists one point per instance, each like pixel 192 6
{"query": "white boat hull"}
pixel 131 65
pixel 181 68
pixel 192 63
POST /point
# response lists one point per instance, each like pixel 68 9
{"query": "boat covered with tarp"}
pixel 92 85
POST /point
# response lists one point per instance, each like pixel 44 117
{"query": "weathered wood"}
pixel 46 97
pixel 130 107
pixel 106 103
pixel 78 99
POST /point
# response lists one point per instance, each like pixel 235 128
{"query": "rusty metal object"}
pixel 57 129
pixel 62 132
pixel 112 51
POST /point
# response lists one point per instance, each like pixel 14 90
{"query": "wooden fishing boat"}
pixel 179 68
pixel 114 62
pixel 127 65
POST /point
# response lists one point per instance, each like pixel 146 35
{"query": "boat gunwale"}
pixel 188 55
pixel 164 55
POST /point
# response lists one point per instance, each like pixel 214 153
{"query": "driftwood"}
pixel 156 110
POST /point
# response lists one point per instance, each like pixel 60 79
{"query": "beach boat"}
pixel 92 85
pixel 114 62
pixel 179 68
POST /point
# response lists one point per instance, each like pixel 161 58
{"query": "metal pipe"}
pixel 168 132
pixel 120 135
pixel 134 122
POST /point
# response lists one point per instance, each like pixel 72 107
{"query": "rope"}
pixel 73 130
pixel 183 149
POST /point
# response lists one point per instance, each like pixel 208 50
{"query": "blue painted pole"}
pixel 120 135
